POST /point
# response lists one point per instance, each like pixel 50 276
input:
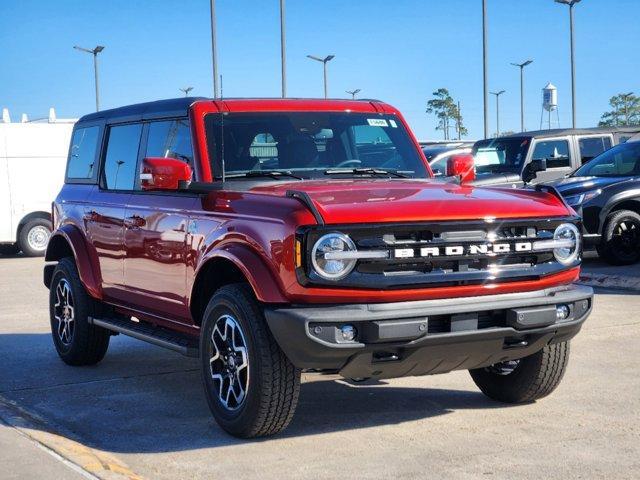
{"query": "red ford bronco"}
pixel 269 237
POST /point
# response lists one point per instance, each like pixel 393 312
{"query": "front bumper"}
pixel 427 337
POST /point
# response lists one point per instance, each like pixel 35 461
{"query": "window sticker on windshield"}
pixel 377 122
pixel 393 123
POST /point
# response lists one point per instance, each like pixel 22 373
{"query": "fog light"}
pixel 348 333
pixel 562 312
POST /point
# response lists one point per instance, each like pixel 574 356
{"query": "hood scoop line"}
pixel 305 199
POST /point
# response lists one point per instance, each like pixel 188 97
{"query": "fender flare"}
pixel 69 237
pixel 265 284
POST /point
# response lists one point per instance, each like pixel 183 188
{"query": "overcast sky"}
pixel 399 51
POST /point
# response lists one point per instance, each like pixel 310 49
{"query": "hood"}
pixel 576 185
pixel 384 200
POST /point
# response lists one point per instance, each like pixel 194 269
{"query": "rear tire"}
pixel 76 340
pixel 251 386
pixel 34 237
pixel 534 377
pixel 621 238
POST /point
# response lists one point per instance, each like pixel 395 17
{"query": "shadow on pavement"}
pixel 141 399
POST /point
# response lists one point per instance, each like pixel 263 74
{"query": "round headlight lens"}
pixel 332 268
pixel 568 234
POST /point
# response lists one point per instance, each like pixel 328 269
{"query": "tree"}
pixel 447 112
pixel 626 111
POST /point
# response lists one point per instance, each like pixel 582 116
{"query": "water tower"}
pixel 549 104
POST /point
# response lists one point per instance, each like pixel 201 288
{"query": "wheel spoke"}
pixel 229 362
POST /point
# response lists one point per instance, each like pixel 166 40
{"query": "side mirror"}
pixel 533 167
pixel 462 166
pixel 163 173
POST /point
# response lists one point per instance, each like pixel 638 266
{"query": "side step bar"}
pixel 184 344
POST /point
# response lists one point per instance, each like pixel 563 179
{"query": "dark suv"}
pixel 269 237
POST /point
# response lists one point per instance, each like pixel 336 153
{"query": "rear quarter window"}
pixel 81 164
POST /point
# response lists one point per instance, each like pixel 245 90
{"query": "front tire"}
pixel 527 379
pixel 76 340
pixel 621 238
pixel 34 237
pixel 251 386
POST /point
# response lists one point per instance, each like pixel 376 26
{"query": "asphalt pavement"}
pixel 142 413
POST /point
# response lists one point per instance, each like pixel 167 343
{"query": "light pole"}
pixel 214 49
pixel 95 53
pixel 353 93
pixel 186 90
pixel 571 3
pixel 521 66
pixel 497 94
pixel 485 74
pixel 283 51
pixel 324 62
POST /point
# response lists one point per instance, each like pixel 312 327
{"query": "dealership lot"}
pixel 143 409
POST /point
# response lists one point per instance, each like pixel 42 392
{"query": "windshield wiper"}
pixel 264 173
pixel 365 171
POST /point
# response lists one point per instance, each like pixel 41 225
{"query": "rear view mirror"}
pixel 163 173
pixel 532 169
pixel 462 166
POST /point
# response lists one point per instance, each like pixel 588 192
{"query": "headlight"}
pixel 567 237
pixel 330 256
pixel 575 200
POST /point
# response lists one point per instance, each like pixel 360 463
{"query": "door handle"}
pixel 135 221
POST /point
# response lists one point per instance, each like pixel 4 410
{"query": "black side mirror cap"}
pixel 532 169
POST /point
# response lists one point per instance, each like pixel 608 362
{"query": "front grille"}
pixel 442 254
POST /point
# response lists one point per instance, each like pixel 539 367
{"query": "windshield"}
pixel 500 155
pixel 311 144
pixel 622 160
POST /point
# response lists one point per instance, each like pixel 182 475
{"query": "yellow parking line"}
pixel 100 464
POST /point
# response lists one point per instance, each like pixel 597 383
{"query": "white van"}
pixel 32 163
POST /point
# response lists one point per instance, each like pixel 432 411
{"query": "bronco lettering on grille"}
pixel 460 250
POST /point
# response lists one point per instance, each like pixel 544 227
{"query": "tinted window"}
pixel 591 147
pixel 310 143
pixel 82 154
pixel 122 157
pixel 555 152
pixel 500 155
pixel 622 160
pixel 170 139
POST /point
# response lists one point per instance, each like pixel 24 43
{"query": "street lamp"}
pixel 571 3
pixel 521 66
pixel 485 74
pixel 214 49
pixel 283 51
pixel 324 62
pixel 497 94
pixel 186 90
pixel 353 93
pixel 95 53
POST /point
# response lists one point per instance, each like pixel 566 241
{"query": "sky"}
pixel 399 51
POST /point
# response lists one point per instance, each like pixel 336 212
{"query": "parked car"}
pixel 32 162
pixel 439 154
pixel 331 249
pixel 542 156
pixel 606 193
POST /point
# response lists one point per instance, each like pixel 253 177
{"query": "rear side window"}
pixel 171 139
pixel 555 152
pixel 120 162
pixel 591 147
pixel 82 154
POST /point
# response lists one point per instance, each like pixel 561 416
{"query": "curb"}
pixel 92 463
pixel 619 282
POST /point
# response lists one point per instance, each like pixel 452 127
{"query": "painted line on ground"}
pixel 92 463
